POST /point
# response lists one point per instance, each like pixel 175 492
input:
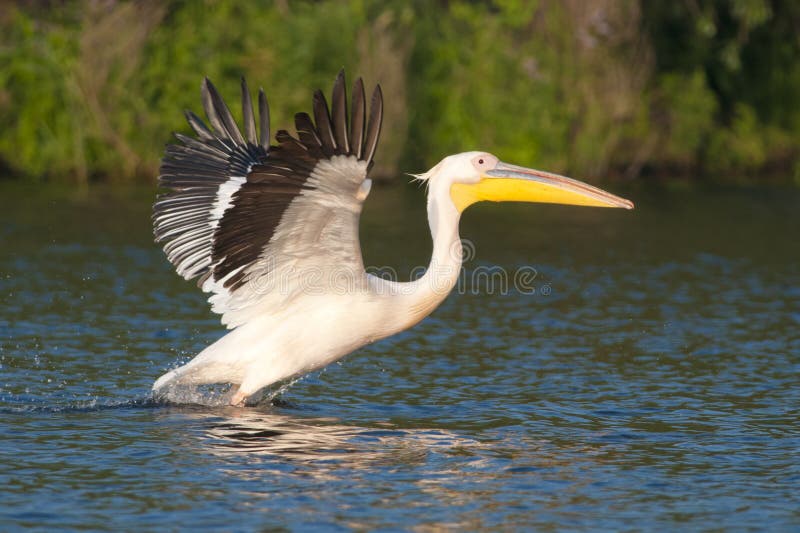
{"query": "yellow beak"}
pixel 510 183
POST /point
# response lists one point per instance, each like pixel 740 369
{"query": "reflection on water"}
pixel 322 449
pixel 654 387
pixel 254 432
pixel 447 467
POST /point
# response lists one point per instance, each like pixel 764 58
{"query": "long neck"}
pixel 423 295
pixel 445 265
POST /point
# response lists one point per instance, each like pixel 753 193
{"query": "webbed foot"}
pixel 239 398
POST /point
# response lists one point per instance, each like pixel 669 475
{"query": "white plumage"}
pixel 272 232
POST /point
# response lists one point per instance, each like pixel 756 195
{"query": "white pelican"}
pixel 272 232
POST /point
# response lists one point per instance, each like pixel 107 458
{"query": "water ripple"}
pixel 654 387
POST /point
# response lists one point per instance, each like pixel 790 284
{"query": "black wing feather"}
pixel 357 120
pixel 323 120
pixel 211 110
pixel 219 114
pixel 247 115
pixel 339 110
pixel 263 111
pixel 374 127
pixel 234 133
pixel 306 130
pixel 199 126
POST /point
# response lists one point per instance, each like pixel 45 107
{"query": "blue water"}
pixel 649 382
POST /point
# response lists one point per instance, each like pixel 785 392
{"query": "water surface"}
pixel 648 378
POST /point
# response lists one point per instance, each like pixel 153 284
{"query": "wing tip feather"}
pixel 375 123
pixel 339 113
pixel 338 132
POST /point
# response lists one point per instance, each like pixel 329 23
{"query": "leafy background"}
pixel 625 89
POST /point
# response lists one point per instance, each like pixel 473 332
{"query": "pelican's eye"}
pixel 484 162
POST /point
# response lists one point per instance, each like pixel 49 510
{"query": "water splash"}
pixel 219 395
pixel 205 395
pixel 11 407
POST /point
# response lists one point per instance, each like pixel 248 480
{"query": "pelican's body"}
pixel 272 232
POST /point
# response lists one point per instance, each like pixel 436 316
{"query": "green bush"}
pixel 91 90
pixel 689 109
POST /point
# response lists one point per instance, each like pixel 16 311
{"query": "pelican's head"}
pixel 475 176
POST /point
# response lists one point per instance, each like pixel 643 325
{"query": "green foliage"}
pixel 747 145
pixel 748 52
pixel 690 109
pixel 39 99
pixel 91 90
pixel 485 92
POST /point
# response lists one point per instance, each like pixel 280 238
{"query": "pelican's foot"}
pixel 239 398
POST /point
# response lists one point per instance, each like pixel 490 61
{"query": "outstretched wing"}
pixel 255 223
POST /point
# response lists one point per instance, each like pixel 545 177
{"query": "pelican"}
pixel 271 231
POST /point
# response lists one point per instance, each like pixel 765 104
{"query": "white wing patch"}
pixel 224 199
